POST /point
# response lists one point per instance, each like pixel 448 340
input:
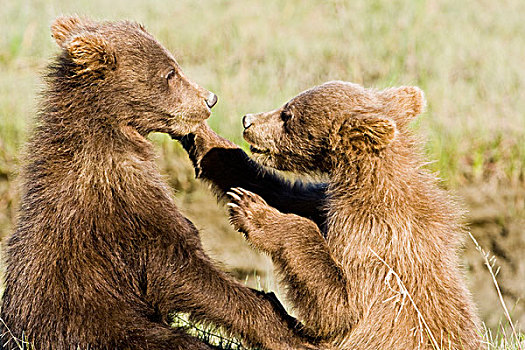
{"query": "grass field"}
pixel 466 55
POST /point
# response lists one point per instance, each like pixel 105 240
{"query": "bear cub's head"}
pixel 331 123
pixel 120 70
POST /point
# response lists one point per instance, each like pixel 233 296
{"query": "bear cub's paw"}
pixel 251 215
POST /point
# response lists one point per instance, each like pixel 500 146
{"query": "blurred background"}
pixel 466 55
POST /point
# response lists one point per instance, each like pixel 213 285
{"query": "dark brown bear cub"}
pixel 377 267
pixel 101 253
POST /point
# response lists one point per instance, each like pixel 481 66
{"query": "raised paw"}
pixel 251 215
pixel 244 207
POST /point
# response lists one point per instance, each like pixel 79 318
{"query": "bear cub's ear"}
pixel 372 133
pixel 63 28
pixel 91 52
pixel 87 49
pixel 405 102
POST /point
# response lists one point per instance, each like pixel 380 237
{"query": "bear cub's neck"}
pixel 79 144
pixel 378 192
pixel 375 177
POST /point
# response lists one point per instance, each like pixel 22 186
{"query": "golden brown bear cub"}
pixel 370 258
pixel 101 254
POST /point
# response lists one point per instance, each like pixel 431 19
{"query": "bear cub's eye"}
pixel 170 74
pixel 286 115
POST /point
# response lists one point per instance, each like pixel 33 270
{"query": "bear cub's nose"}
pixel 247 120
pixel 211 100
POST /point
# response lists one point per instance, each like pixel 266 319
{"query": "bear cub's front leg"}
pixel 261 224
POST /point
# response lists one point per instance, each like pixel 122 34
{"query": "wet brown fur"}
pixel 101 255
pixel 380 212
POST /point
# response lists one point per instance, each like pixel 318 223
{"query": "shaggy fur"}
pixel 101 254
pixel 380 269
